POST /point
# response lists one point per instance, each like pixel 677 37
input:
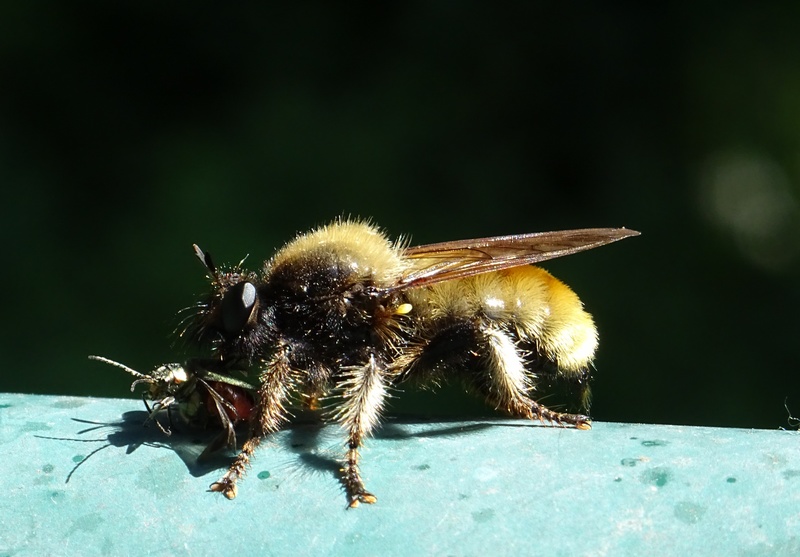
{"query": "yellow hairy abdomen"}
pixel 542 309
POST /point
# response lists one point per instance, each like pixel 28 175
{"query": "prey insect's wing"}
pixel 227 438
pixel 434 263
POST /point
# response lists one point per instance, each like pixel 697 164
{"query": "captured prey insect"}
pixel 342 314
pixel 199 395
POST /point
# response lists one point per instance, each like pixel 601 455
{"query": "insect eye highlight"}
pixel 238 305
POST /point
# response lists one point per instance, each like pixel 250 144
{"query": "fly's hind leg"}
pixel 506 381
pixel 269 416
pixel 363 396
pixel 489 360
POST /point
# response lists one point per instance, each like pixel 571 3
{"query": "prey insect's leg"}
pixel 508 382
pixel 268 418
pixel 163 404
pixel 364 393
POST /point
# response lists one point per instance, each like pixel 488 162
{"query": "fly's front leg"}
pixel 364 394
pixel 270 414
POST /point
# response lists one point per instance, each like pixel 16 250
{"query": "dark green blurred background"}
pixel 130 130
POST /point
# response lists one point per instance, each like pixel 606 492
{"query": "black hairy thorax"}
pixel 323 306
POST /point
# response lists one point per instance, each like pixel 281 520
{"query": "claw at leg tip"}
pixel 228 490
pixel 367 498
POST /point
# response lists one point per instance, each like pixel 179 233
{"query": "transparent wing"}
pixel 434 263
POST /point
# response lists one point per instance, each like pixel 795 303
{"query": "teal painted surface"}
pixel 491 487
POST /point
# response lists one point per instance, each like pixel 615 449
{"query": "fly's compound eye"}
pixel 238 305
